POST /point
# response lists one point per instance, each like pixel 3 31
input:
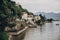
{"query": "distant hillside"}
pixel 55 16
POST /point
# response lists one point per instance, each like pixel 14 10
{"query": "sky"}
pixel 40 5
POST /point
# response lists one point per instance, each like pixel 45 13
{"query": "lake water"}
pixel 48 31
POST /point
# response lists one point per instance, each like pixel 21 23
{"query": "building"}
pixel 30 17
pixel 36 18
pixel 27 16
pixel 24 16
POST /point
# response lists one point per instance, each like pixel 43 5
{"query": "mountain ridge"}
pixel 49 15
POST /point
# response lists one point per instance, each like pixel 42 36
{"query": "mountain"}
pixel 49 15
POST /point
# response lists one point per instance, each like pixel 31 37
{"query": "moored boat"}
pixel 57 24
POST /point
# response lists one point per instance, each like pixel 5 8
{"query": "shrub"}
pixel 11 25
pixel 3 36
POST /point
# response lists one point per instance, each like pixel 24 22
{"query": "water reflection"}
pixel 40 28
pixel 48 31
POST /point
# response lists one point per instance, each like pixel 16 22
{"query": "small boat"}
pixel 57 24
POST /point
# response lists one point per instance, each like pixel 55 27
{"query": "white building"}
pixel 36 18
pixel 24 16
pixel 27 16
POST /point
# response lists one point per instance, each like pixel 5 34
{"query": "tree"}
pixel 50 20
pixel 3 22
pixel 43 18
pixel 3 36
pixel 12 25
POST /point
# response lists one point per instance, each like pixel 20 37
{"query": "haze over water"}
pixel 49 31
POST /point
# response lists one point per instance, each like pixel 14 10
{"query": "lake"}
pixel 48 31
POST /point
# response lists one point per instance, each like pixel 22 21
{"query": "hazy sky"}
pixel 40 5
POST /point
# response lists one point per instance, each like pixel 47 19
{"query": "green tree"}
pixel 50 20
pixel 3 36
pixel 43 18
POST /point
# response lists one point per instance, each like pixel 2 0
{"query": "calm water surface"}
pixel 48 31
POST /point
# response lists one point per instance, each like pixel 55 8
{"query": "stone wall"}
pixel 18 37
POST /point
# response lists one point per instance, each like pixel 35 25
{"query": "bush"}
pixel 38 22
pixel 3 36
pixel 11 25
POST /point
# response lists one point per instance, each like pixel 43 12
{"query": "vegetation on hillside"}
pixel 3 36
pixel 9 11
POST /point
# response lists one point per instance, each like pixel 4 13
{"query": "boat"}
pixel 57 24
